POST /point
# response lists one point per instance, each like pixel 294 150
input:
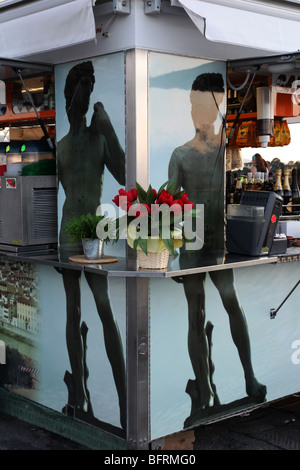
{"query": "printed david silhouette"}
pixel 83 155
pixel 197 167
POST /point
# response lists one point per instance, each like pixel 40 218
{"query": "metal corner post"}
pixel 137 288
pixel 138 383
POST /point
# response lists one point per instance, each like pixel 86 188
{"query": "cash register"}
pixel 251 224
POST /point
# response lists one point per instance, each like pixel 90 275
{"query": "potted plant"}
pixel 84 228
pixel 153 222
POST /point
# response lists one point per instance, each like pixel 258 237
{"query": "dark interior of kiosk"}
pixel 256 208
pixel 252 214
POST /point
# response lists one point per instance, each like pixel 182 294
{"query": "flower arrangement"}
pixel 153 219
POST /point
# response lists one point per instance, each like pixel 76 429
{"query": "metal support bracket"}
pixel 105 7
pixel 273 311
pixel 162 6
pixel 121 6
pixel 152 6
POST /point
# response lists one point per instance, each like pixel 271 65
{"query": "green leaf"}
pixel 135 244
pixel 142 242
pixel 171 187
pixel 161 188
pixel 169 244
pixel 150 198
pixel 178 195
pixel 142 195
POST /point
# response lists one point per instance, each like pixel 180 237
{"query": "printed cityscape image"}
pixel 19 326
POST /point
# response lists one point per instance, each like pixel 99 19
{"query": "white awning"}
pixel 267 26
pixel 44 26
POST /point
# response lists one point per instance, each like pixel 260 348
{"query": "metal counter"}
pixel 127 267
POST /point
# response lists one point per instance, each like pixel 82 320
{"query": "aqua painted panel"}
pixel 274 346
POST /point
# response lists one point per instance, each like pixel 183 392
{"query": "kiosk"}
pixel 111 355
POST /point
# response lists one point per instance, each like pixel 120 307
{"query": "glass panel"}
pixel 2 98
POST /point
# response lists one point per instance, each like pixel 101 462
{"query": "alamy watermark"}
pixel 142 221
pixel 296 353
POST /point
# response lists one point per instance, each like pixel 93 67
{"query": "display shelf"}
pixel 10 117
pixel 246 116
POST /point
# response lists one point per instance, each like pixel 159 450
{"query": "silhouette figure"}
pixel 83 155
pixel 197 167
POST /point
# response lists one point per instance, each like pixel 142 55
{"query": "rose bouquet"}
pixel 153 219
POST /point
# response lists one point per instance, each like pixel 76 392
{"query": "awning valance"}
pixel 260 25
pixel 44 26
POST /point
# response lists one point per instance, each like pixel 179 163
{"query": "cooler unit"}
pixel 28 211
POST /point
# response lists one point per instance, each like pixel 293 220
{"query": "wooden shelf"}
pixel 10 117
pixel 242 116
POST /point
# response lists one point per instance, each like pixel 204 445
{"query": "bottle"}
pixel 270 186
pixel 257 186
pixel 265 181
pixel 238 192
pixel 235 178
pixel 261 181
pixel 244 183
pixel 278 186
pixel 295 192
pixel 46 95
pixel 287 193
pixel 249 186
pixel 228 188
pixel 51 97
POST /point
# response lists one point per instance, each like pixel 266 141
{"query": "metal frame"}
pixel 137 289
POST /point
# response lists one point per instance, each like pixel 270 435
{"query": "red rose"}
pixel 188 205
pixel 124 204
pixel 116 200
pixel 122 192
pixel 139 210
pixel 154 209
pixel 142 212
pixel 165 197
pixel 132 195
pixel 177 207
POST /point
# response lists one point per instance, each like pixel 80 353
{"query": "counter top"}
pixel 178 266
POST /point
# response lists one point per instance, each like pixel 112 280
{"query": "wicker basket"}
pixel 153 260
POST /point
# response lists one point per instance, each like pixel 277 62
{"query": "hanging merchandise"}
pixel 237 159
pixel 246 136
pixel 282 135
pixel 231 138
pixel 275 141
pixel 234 159
pixel 285 136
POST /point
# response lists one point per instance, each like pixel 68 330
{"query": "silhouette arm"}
pixel 115 161
pixel 174 171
